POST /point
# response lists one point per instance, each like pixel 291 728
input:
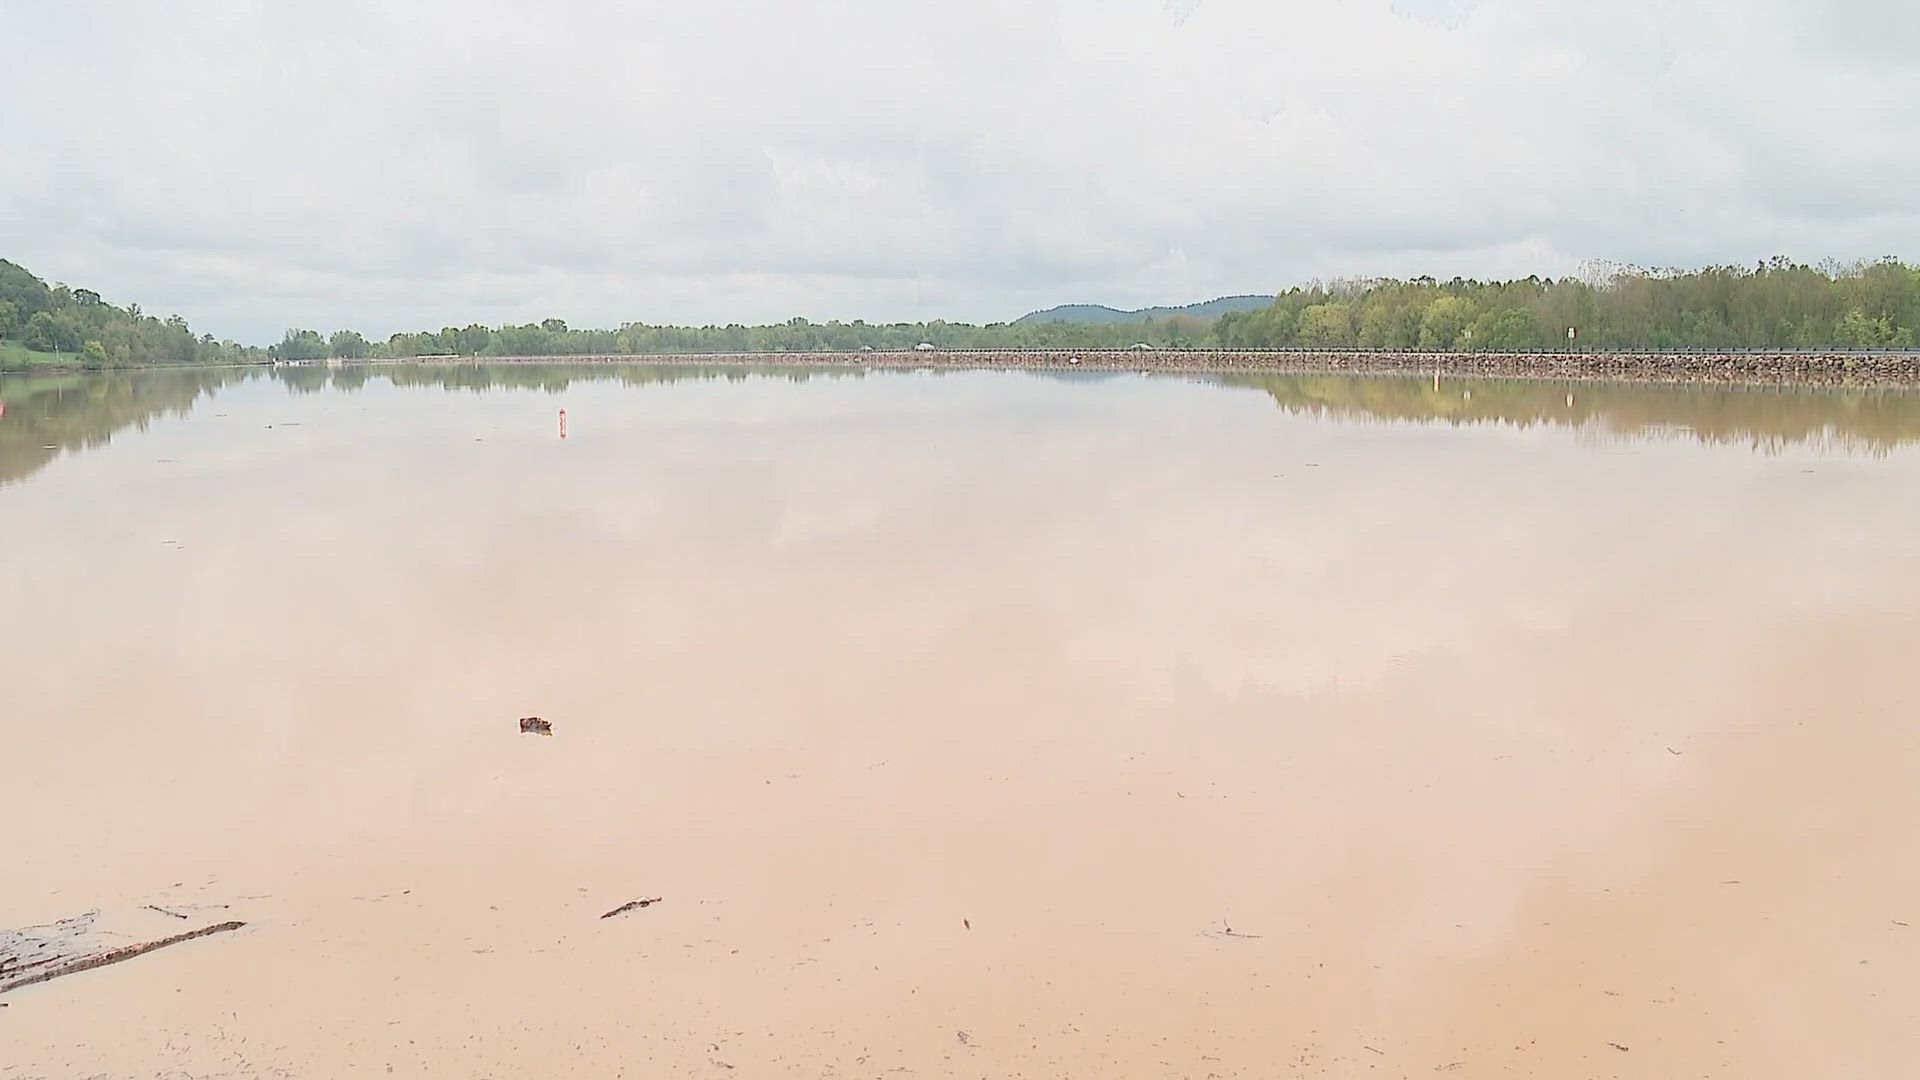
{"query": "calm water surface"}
pixel 1510 728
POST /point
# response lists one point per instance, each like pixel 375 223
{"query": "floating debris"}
pixel 646 901
pixel 1227 930
pixel 533 725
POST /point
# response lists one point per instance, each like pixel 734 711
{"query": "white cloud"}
pixel 387 166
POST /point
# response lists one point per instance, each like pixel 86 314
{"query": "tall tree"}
pixel 301 345
pixel 347 345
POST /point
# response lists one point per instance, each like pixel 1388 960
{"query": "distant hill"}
pixel 56 326
pixel 1100 313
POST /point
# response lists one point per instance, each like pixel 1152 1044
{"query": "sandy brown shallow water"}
pixel 1513 729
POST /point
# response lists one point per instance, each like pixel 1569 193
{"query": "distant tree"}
pixel 51 331
pixel 405 345
pixel 1443 320
pixel 1326 325
pixel 1858 330
pixel 347 345
pixel 1280 324
pixel 1236 330
pixel 1378 325
pixel 301 345
pixel 1513 329
pixel 473 340
pixel 528 340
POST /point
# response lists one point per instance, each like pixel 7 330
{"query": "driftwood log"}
pixel 50 964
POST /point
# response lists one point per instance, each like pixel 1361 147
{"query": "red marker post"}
pixel 563 423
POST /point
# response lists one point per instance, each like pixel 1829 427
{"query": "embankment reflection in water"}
pixel 1870 420
pixel 1765 418
pixel 45 415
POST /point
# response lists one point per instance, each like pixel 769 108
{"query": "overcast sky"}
pixel 390 165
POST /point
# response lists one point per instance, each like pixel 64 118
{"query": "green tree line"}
pixel 553 337
pixel 1776 304
pixel 76 326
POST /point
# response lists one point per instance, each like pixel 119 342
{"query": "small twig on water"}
pixel 1227 930
pixel 164 911
pixel 630 905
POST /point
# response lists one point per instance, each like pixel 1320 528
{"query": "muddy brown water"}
pixel 979 724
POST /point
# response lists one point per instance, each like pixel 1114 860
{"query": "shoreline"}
pixel 1887 370
pixel 1890 370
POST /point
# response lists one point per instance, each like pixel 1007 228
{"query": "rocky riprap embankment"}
pixel 1787 367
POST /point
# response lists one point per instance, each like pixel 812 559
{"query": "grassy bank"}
pixel 17 357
